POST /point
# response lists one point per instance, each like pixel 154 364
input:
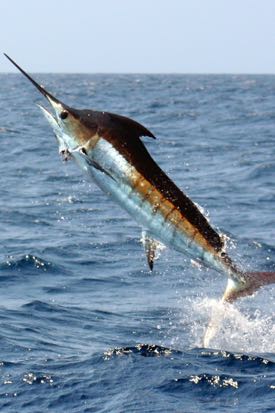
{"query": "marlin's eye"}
pixel 64 114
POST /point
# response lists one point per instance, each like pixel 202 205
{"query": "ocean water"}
pixel 84 325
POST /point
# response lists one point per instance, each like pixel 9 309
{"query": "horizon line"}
pixel 144 73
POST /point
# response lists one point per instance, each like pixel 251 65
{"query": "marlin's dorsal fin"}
pixel 117 129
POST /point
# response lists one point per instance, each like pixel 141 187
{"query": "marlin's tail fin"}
pixel 248 284
pixel 242 286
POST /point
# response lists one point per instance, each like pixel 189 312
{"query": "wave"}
pixel 27 264
pixel 219 357
pixel 144 350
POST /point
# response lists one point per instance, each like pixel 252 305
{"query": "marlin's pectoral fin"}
pixel 91 161
pixel 95 165
pixel 152 248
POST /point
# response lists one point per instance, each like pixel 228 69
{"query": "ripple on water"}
pixel 27 264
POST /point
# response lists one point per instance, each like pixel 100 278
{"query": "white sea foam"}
pixel 238 330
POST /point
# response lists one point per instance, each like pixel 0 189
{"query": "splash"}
pixel 238 331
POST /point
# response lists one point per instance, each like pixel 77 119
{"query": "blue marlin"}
pixel 109 149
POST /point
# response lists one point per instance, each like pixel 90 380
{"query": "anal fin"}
pixel 152 248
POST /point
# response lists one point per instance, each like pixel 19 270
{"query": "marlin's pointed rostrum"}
pixel 108 147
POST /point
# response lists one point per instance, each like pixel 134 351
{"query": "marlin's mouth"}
pixel 63 148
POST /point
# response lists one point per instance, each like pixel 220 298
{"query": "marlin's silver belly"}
pixel 114 175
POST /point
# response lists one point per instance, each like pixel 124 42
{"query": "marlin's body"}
pixel 109 149
pixel 149 205
pixel 116 159
pixel 139 186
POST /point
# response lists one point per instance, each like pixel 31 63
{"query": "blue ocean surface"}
pixel 84 325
